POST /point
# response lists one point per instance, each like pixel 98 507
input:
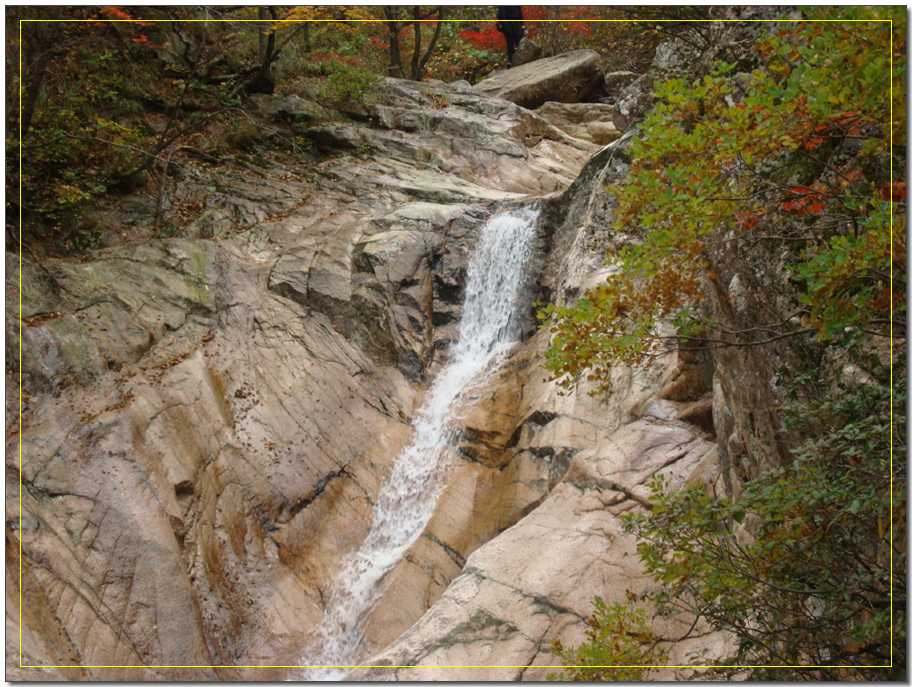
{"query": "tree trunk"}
pixel 262 80
pixel 394 26
pixel 393 29
pixel 416 49
pixel 36 51
pixel 419 65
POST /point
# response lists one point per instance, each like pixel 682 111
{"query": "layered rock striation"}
pixel 206 421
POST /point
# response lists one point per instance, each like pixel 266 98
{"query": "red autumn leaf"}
pixel 488 38
pixel 893 192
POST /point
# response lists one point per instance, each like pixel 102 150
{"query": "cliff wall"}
pixel 205 421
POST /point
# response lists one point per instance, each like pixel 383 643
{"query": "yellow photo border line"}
pixel 371 21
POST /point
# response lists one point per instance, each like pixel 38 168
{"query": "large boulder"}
pixel 567 78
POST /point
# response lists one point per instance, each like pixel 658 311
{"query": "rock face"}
pixel 535 582
pixel 588 121
pixel 567 78
pixel 206 421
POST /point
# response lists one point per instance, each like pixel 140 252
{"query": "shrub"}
pixel 620 646
pixel 346 82
pixel 818 590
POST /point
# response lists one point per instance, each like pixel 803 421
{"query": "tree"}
pixel 275 33
pixel 782 161
pixel 261 80
pixel 39 42
pixel 397 30
pixel 48 134
pixel 110 93
pixel 792 173
pixel 821 581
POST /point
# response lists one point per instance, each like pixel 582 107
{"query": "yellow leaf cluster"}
pixel 345 17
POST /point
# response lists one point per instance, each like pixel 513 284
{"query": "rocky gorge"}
pixel 199 427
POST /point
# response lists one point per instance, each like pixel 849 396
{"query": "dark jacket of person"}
pixel 513 28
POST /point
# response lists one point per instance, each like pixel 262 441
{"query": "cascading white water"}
pixel 491 321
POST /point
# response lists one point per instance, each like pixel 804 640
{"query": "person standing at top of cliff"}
pixel 510 24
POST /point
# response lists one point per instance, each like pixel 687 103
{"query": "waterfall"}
pixel 491 321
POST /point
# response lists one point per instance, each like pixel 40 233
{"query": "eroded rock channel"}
pixel 206 422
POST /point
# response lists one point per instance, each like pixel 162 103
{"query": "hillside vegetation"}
pixel 777 181
pixel 107 101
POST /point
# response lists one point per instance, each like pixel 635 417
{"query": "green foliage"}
pixel 619 322
pixel 814 586
pixel 790 163
pixel 105 105
pixel 787 175
pixel 620 646
pixel 347 83
pixel 73 156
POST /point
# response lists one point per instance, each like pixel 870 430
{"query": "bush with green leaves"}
pixel 808 567
pixel 620 646
pixel 346 82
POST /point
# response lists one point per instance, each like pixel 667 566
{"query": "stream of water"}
pixel 491 321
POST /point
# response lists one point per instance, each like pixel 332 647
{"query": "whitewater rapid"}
pixel 493 308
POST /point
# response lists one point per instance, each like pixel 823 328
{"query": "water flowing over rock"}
pixel 534 583
pixel 206 422
pixel 211 425
pixel 496 288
